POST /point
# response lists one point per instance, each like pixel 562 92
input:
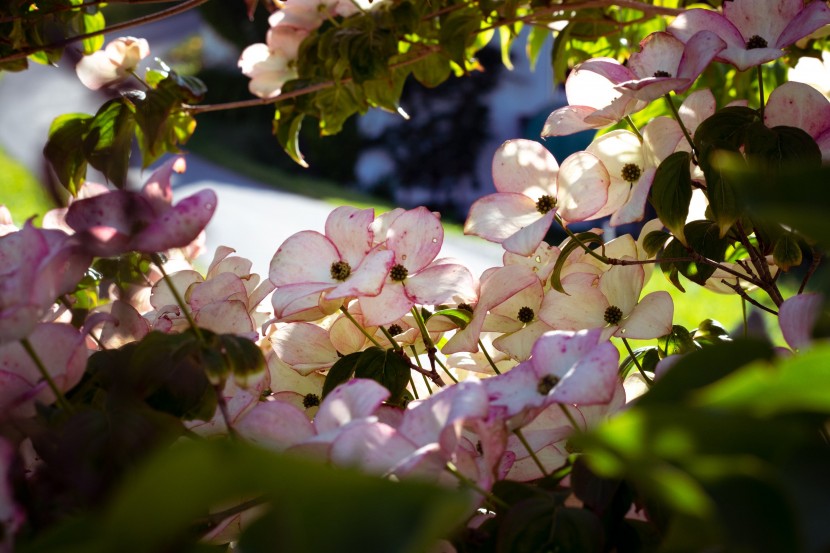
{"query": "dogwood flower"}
pixel 755 31
pixel 800 105
pixel 112 64
pixel 531 188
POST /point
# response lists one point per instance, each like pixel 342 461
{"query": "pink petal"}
pixel 304 257
pixel 296 298
pixel 621 285
pixel 305 347
pixel 179 226
pixel 659 51
pixel 127 325
pixel 526 240
pixel 526 167
pixel 698 106
pixel 438 284
pixel 651 318
pixel 157 189
pixel 766 18
pixel 222 287
pixel 660 139
pixel 635 207
pixel 811 18
pixel 518 345
pixel 120 210
pixel 797 317
pixel 582 307
pixel 568 120
pixel 497 217
pixel 366 279
pixel 348 228
pixel 161 295
pixel 387 307
pixel 372 446
pixel 799 105
pixel 591 83
pixel 355 399
pixel 416 237
pixel 226 317
pixel 275 425
pixel 700 50
pixel 583 186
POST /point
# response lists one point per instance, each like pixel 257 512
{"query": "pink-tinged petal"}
pixel 698 106
pixel 700 50
pixel 304 257
pixel 12 516
pixel 161 295
pixel 823 141
pixel 541 261
pixel 18 322
pixel 416 237
pixel 659 51
pixel 651 88
pixel 516 394
pixel 519 344
pixel 387 307
pixel 292 299
pixel 380 226
pixel 179 226
pixel 158 189
pixel 525 167
pixel 438 284
pixel 224 286
pixel 348 228
pixel 797 317
pixel 621 285
pixel 765 18
pixel 526 240
pixel 305 347
pixel 97 70
pixel 586 368
pixel 526 469
pixel 356 399
pixel 497 217
pixel 120 210
pixel 221 253
pixel 568 120
pixel 126 326
pixel 239 266
pixel 582 307
pixel 813 17
pixel 799 105
pixel 591 83
pixel 583 187
pixel 651 318
pixel 615 111
pixel 634 208
pixel 366 279
pixel 372 446
pixel 226 317
pixel 689 23
pixel 501 284
pixel 345 336
pixel 275 425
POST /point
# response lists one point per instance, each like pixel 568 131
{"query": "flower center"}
pixel 756 41
pixel 398 272
pixel 395 329
pixel 340 270
pixel 465 307
pixel 526 314
pixel 311 400
pixel 631 172
pixel 545 204
pixel 546 384
pixel 613 315
pixel 662 73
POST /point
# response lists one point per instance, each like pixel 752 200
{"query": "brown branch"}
pixel 163 14
pixel 813 266
pixel 742 293
pixel 59 9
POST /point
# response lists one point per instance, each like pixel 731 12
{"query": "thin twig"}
pixel 741 292
pixel 812 269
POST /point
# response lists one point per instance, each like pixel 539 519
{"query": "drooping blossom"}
pixel 594 101
pixel 531 188
pixel 755 31
pixel 112 64
pixel 800 105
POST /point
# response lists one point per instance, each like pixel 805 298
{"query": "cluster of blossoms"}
pixel 530 346
pixel 272 64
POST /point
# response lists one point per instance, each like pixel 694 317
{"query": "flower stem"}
pixel 452 469
pixel 760 74
pixel 489 359
pixel 223 408
pixel 359 326
pixel 446 370
pixel 395 345
pixel 569 416
pixel 179 299
pixel 649 381
pixel 529 449
pixel 683 128
pixel 424 371
pixel 60 399
pixel 582 244
pixel 634 128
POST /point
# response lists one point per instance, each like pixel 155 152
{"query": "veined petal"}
pixel 799 105
pixel 275 425
pixel 621 285
pixel 764 18
pixel 660 139
pixel 355 399
pixel 438 284
pixel 698 106
pixel 582 307
pixel 568 120
pixel 348 229
pixel 526 240
pixel 659 51
pixel 526 167
pixel 651 318
pixel 179 226
pixel 635 206
pixel 368 278
pixel 416 237
pixel 305 347
pixel 518 345
pixel 591 83
pixel 226 317
pixel 700 50
pixel 294 298
pixel 797 316
pixel 583 187
pixel 813 17
pixel 387 307
pixel 306 256
pixel 497 217
pixel 651 88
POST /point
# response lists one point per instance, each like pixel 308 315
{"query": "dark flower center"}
pixel 395 329
pixel 756 41
pixel 613 315
pixel 631 173
pixel 526 314
pixel 465 307
pixel 546 384
pixel 662 73
pixel 545 204
pixel 398 272
pixel 311 400
pixel 340 270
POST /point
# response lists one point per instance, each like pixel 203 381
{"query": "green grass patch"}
pixel 20 191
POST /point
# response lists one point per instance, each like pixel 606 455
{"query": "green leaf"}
pixel 677 342
pixel 385 367
pixel 654 241
pixel 460 317
pixel 535 41
pixel 432 71
pixel 340 372
pixel 725 130
pixel 63 149
pixel 709 332
pixel 772 147
pixel 671 192
pixel 458 31
pixel 386 92
pixel 703 237
pixel 108 142
pixel 506 37
pixel 572 245
pixel 787 252
pixel 335 105
pixel 90 23
pixel 287 126
pixel 670 270
pixel 243 356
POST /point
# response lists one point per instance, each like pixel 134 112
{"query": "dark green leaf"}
pixel 64 149
pixel 244 358
pixel 670 269
pixel 108 143
pixel 772 147
pixel 335 105
pixel 726 129
pixel 671 192
pixel 385 367
pixel 162 123
pixel 340 372
pixel 458 31
pixel 654 241
pixel 527 527
pixel 432 70
pixel 787 252
pixel 678 342
pixel 287 129
pixel 577 530
pixel 704 238
pixel 461 317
